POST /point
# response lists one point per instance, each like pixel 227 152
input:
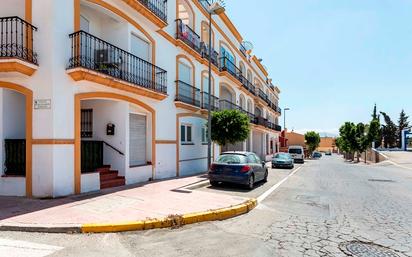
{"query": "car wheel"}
pixel 266 176
pixel 251 182
pixel 214 183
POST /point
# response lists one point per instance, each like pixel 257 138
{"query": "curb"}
pixel 172 221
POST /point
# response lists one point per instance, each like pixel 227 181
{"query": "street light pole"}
pixel 284 117
pixel 214 8
pixel 209 107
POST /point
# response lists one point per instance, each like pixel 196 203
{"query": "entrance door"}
pixel 137 140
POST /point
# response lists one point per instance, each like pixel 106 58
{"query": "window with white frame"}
pixel 186 134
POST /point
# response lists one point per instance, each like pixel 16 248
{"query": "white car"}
pixel 297 153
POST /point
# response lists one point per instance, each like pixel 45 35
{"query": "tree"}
pixel 375 115
pixel 389 132
pixel 312 140
pixel 374 133
pixel 230 127
pixel 403 123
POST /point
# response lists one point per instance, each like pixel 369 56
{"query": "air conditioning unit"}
pixel 107 56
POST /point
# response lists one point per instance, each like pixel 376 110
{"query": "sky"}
pixel 332 59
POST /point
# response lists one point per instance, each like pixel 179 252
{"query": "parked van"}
pixel 297 153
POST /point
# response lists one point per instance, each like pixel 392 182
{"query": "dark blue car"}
pixel 244 168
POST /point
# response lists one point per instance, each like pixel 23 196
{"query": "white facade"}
pixel 117 67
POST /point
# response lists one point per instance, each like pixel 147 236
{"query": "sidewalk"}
pixel 155 204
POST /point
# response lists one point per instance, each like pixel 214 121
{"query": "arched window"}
pixel 249 106
pixel 249 76
pixel 242 68
pixel 205 83
pixel 204 35
pixel 185 13
pixel 242 101
pixel 227 94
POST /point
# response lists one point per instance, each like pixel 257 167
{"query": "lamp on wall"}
pixel 215 8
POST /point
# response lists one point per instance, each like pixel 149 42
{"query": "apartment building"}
pixel 102 93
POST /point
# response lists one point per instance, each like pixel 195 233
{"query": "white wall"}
pixel 12 8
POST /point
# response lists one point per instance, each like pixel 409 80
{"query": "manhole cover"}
pixel 381 180
pixel 361 249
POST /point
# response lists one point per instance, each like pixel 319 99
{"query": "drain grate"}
pixel 362 249
pixel 381 180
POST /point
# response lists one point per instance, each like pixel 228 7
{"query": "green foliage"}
pixel 403 123
pixel 389 132
pixel 312 140
pixel 374 132
pixel 230 127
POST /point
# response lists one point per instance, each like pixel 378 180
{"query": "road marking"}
pixel 397 164
pixel 15 248
pixel 273 188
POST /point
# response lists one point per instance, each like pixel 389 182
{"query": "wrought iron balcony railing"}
pixel 243 50
pixel 230 67
pixel 259 120
pixel 205 54
pixel 263 96
pixel 93 53
pixel 227 105
pixel 187 35
pixel 158 7
pixel 16 39
pixel 187 93
pixel 205 101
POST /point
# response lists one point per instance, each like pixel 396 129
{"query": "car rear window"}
pixel 232 159
pixel 295 151
pixel 282 156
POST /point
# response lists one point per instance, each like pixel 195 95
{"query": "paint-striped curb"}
pixel 173 220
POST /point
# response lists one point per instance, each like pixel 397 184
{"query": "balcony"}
pixel 205 102
pixel 205 54
pixel 98 61
pixel 275 108
pixel 16 46
pixel 191 39
pixel 263 96
pixel 154 10
pixel 274 127
pixel 188 95
pixel 188 36
pixel 228 66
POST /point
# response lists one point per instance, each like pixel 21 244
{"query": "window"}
pixel 251 159
pixel 185 73
pixel 86 123
pixel 205 84
pixel 205 134
pixel 140 48
pixel 186 134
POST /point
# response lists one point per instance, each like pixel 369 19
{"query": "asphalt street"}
pixel 327 203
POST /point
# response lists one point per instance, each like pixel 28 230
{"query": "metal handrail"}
pixel 187 93
pixel 114 148
pixel 158 7
pixel 187 35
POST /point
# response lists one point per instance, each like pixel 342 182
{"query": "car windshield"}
pixel 295 151
pixel 282 156
pixel 231 159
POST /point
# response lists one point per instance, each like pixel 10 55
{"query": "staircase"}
pixel 110 178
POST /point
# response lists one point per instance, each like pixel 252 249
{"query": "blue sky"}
pixel 333 59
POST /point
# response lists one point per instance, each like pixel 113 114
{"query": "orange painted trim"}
pixel 76 25
pixel 166 142
pixel 178 116
pixel 260 66
pixel 79 74
pixel 77 136
pixel 140 8
pixel 223 34
pixel 28 10
pixel 53 141
pixel 231 27
pixel 11 65
pixel 29 131
pixel 186 106
pixel 130 20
